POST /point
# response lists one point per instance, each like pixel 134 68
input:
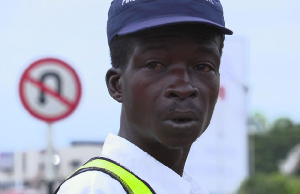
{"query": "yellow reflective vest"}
pixel 131 183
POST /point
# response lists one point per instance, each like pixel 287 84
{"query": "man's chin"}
pixel 177 143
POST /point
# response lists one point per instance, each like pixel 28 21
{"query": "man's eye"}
pixel 155 66
pixel 203 67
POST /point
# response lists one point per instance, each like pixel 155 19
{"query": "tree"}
pixel 272 143
pixel 273 146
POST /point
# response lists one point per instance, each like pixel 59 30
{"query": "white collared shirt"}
pixel 162 179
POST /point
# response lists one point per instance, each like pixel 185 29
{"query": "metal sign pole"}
pixel 49 161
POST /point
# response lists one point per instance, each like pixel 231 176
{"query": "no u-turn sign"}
pixel 50 89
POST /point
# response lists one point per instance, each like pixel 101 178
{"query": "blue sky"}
pixel 74 31
pixel 272 30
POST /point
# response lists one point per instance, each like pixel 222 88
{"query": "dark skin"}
pixel 168 90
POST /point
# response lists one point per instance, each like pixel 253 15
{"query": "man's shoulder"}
pixel 91 182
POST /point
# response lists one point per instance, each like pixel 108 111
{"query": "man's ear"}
pixel 113 83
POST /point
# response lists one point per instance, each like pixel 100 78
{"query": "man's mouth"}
pixel 182 117
pixel 181 120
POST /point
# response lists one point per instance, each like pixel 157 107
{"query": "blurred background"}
pixel 252 144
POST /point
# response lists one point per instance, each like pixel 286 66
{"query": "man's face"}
pixel 170 86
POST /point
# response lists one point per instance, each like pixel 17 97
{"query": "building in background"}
pixel 291 165
pixel 24 172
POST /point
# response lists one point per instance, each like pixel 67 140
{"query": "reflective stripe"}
pixel 130 182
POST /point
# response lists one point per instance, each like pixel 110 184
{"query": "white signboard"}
pixel 219 158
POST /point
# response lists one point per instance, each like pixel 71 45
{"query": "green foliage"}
pixel 272 143
pixel 271 184
pixel 273 146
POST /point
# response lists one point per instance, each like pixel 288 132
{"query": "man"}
pixel 165 56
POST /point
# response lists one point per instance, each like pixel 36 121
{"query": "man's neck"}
pixel 174 158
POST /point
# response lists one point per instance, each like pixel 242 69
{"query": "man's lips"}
pixel 181 119
pixel 182 116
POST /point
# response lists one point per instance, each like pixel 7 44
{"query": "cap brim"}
pixel 156 22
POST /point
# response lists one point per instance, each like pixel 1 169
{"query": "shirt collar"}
pixel 161 178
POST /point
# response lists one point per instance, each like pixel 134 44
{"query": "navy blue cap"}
pixel 129 16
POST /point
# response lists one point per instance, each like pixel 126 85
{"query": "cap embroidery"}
pixel 210 1
pixel 126 1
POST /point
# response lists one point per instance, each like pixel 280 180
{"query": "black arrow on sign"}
pixel 42 98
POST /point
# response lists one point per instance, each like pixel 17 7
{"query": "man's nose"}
pixel 181 86
pixel 181 91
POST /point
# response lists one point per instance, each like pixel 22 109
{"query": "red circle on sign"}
pixel 26 77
